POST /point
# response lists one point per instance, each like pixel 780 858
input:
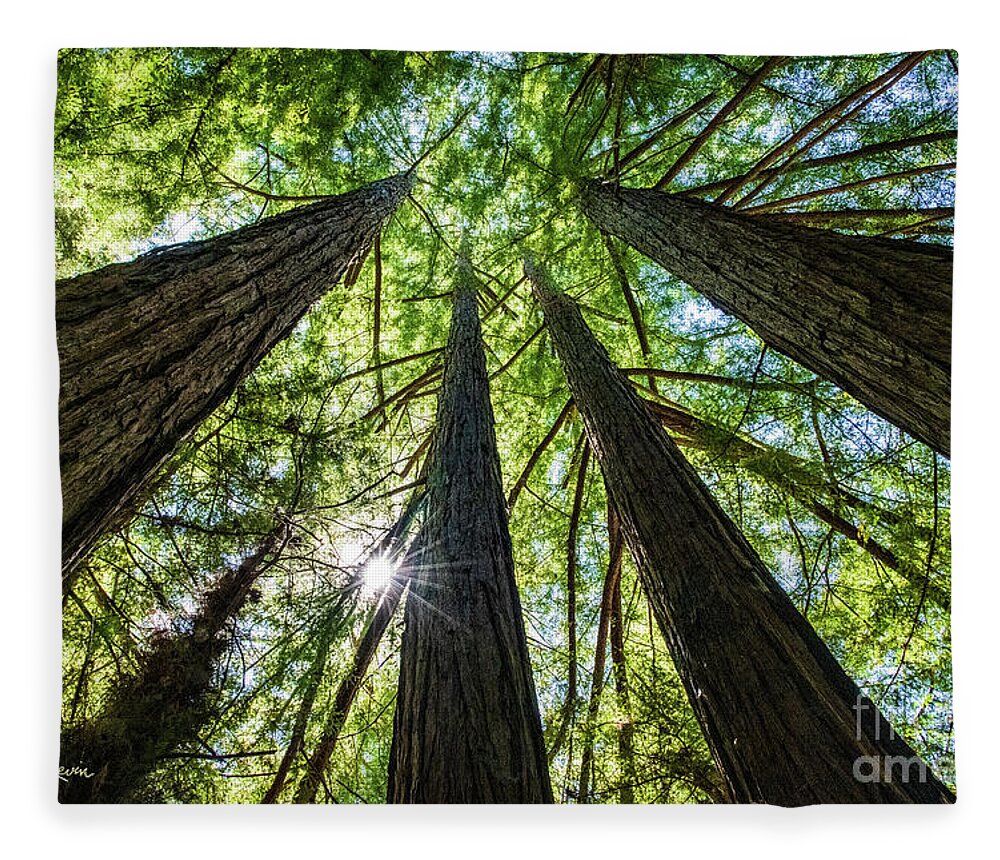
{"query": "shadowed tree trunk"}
pixel 626 728
pixel 872 315
pixel 611 582
pixel 466 727
pixel 313 680
pixel 165 703
pixel 784 722
pixel 151 348
pixel 347 690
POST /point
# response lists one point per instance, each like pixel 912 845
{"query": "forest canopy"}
pixel 303 487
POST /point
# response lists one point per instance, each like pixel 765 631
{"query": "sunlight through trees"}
pixel 360 506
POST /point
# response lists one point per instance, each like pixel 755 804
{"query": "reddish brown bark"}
pixel 871 315
pixel 784 722
pixel 466 727
pixel 151 348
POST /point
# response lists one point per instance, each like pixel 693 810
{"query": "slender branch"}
pixel 393 362
pixel 853 217
pixel 847 157
pixel 585 81
pixel 830 113
pixel 630 300
pixel 837 123
pixel 217 756
pixel 923 593
pixel 348 688
pixel 625 726
pixel 536 455
pixel 794 478
pixel 417 454
pixel 518 352
pixel 314 678
pixel 917 226
pixel 429 376
pixel 265 195
pixel 665 128
pixel 216 74
pixel 615 545
pixel 714 379
pixel 743 73
pixel 448 133
pixel 569 706
pixel 768 66
pixel 847 186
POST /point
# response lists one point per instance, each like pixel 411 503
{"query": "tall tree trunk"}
pixel 872 315
pixel 611 582
pixel 164 704
pixel 783 721
pixel 626 728
pixel 313 680
pixel 466 727
pixel 347 691
pixel 149 349
pixel 381 616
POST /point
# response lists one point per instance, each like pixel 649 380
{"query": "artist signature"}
pixel 77 770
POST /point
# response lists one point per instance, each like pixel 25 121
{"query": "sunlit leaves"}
pixel 162 145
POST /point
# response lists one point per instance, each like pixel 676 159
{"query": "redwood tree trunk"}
pixel 626 728
pixel 296 742
pixel 347 690
pixel 164 704
pixel 149 349
pixel 466 727
pixel 783 720
pixel 872 315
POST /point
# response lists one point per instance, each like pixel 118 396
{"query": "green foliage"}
pixel 155 146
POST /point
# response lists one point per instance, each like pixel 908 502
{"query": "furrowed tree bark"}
pixel 163 705
pixel 871 315
pixel 149 349
pixel 466 727
pixel 784 722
